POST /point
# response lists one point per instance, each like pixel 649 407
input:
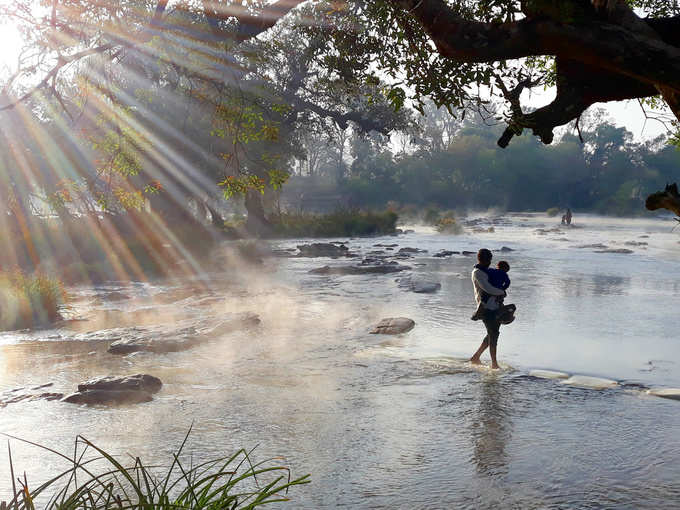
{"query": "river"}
pixel 394 421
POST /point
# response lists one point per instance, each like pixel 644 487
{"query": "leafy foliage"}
pixel 29 300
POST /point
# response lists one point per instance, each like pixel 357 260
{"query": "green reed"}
pixel 99 481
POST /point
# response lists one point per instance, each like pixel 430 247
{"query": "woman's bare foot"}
pixel 475 361
pixel 495 366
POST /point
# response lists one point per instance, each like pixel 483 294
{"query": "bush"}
pixel 432 216
pixel 341 223
pixel 103 483
pixel 28 301
pixel 553 211
pixel 448 225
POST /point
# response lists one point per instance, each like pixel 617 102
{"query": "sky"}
pixel 627 114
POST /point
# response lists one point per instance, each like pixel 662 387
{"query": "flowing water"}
pixel 394 421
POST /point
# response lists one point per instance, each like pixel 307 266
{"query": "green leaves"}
pixel 102 482
pixel 396 96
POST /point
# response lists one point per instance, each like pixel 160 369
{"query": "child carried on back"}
pixel 498 277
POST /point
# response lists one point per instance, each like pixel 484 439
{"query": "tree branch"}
pixel 667 199
pixel 593 42
pixel 578 87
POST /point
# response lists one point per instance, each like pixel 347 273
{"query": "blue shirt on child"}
pixel 498 278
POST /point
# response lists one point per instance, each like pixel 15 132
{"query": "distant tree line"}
pixel 453 163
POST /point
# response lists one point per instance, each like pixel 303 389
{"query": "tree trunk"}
pixel 257 223
pixel 215 217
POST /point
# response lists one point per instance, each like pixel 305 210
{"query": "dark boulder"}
pixel 411 250
pixel 445 253
pixel 137 382
pixel 615 250
pixel 323 250
pixel 105 397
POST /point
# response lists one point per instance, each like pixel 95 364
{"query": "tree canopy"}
pixel 460 53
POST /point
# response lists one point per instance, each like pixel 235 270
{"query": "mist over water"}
pixel 394 421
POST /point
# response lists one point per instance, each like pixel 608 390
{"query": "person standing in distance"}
pixel 481 285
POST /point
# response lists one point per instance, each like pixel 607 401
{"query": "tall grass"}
pixel 29 300
pixel 102 482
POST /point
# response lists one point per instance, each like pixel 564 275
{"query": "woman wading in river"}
pixel 491 319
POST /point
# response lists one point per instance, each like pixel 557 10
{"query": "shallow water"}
pixel 404 421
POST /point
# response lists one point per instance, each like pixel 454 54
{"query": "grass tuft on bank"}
pixel 29 300
pixel 97 480
pixel 340 223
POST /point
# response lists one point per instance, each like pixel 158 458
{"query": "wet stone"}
pixel 445 253
pixel 105 397
pixel 615 250
pixel 114 296
pixel 411 250
pixel 394 326
pixel 361 269
pixel 323 250
pixel 596 245
pixel 419 286
pixel 137 382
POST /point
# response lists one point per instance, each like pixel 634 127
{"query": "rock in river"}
pixel 394 326
pixel 179 342
pixel 615 250
pixel 160 340
pixel 137 382
pixel 323 250
pixel 131 389
pixel 362 269
pixel 408 249
pixel 105 397
pixel 445 253
pixel 419 286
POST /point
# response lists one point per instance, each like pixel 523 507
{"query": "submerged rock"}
pixel 137 382
pixel 419 286
pixel 596 245
pixel 548 374
pixel 411 250
pixel 323 250
pixel 114 296
pixel 445 253
pixel 615 250
pixel 159 340
pixel 20 395
pixel 505 248
pixel 361 269
pixel 670 393
pixel 394 326
pixel 594 383
pixel 164 345
pixel 106 397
